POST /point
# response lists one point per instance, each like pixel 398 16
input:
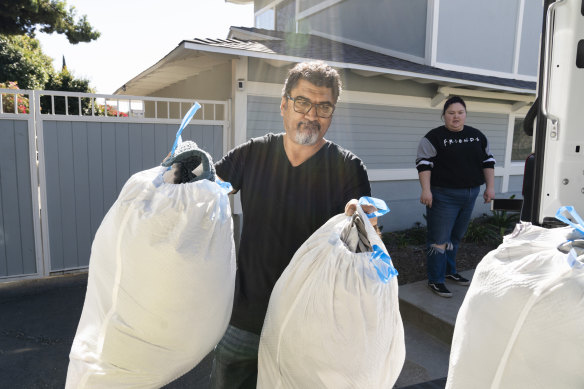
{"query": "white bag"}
pixel 521 324
pixel 160 289
pixel 331 321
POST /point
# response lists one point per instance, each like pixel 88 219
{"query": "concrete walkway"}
pixel 38 320
pixel 429 324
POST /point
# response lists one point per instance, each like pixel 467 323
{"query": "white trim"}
pixel 378 49
pixel 432 19
pixel 378 175
pixel 239 120
pixel 518 31
pixel 42 180
pixel 508 150
pixel 343 65
pixel 316 8
pixel 484 72
pixel 446 90
pixel 34 187
pixel 267 7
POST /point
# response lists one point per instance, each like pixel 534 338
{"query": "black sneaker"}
pixel 460 280
pixel 439 289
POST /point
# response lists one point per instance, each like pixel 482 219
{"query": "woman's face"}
pixel 455 116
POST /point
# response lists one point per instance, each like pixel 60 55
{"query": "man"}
pixel 290 184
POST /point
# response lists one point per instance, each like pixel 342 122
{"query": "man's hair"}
pixel 317 73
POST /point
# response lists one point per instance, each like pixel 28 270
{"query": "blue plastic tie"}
pixel 570 210
pixel 381 206
pixel 225 186
pixel 185 121
pixel 382 263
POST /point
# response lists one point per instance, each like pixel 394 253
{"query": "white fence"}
pixel 64 158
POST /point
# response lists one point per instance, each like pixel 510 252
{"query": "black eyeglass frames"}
pixel 301 105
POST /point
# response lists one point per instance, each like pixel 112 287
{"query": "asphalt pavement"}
pixel 39 317
pixel 38 321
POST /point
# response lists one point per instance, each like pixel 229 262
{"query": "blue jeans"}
pixel 235 364
pixel 447 222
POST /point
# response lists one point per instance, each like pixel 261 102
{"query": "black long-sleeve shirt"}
pixel 456 159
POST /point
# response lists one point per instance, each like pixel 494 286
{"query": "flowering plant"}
pixel 100 110
pixel 22 104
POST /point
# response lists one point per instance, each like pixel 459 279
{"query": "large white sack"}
pixel 331 322
pixel 521 324
pixel 160 287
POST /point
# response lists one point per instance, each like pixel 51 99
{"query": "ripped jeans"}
pixel 447 222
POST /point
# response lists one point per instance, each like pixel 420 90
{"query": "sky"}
pixel 135 34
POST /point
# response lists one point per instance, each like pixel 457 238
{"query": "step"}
pixel 430 312
pixel 428 324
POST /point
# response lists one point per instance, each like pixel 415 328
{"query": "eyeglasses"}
pixel 301 105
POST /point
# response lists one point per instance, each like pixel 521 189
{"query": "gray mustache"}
pixel 310 125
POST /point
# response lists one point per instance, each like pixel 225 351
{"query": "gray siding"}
pixel 478 34
pixel 286 16
pixel 494 126
pixel 403 200
pixel 383 137
pixel 17 240
pixel 398 25
pixel 303 5
pixel 87 164
pixel 387 138
pixel 529 49
pixel 259 4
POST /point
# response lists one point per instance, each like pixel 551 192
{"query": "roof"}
pixel 312 46
pixel 295 47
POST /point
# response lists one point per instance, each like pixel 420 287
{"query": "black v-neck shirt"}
pixel 282 206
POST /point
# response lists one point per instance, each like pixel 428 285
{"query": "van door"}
pixel 557 173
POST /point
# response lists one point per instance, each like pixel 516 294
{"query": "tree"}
pixel 65 81
pixel 22 60
pixel 18 17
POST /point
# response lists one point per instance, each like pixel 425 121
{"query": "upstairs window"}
pixel 266 19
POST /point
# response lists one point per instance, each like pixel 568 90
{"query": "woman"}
pixel 453 161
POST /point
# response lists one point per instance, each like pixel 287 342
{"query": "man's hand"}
pixel 351 207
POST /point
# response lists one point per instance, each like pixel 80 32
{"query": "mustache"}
pixel 310 125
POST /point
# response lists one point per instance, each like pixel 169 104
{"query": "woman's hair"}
pixel 317 73
pixel 452 100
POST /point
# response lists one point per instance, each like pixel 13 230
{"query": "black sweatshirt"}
pixel 456 159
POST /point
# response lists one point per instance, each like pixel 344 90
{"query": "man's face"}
pixel 306 128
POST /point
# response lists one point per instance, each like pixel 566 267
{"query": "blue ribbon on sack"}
pixel 382 263
pixel 568 209
pixel 225 186
pixel 381 206
pixel 187 118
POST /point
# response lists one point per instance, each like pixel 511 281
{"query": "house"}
pixel 399 61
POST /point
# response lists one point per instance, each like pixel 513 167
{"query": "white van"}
pixel 554 174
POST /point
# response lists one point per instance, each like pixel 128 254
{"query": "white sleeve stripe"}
pixel 490 160
pixel 424 162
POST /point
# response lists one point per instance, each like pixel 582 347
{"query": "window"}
pixel 521 142
pixel 265 20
